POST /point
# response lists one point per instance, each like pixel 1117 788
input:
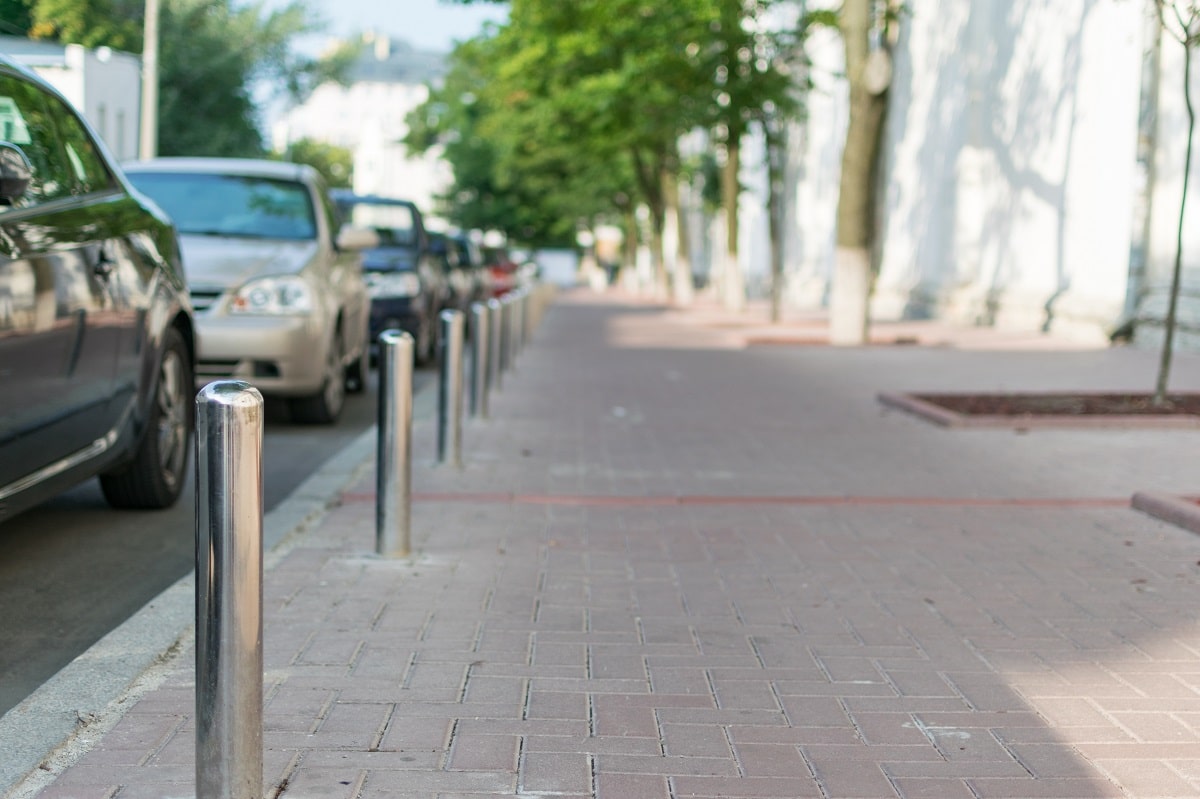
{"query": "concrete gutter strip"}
pixel 65 717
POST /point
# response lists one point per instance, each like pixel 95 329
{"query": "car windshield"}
pixel 231 205
pixel 394 223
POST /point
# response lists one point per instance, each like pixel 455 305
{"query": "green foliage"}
pixel 92 23
pixel 336 164
pixel 211 52
pixel 16 17
pixel 569 111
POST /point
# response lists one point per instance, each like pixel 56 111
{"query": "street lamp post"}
pixel 148 140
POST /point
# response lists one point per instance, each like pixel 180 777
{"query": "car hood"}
pixel 223 261
pixel 389 259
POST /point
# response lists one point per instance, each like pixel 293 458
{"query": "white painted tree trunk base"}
pixel 848 297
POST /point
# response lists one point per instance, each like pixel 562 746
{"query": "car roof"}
pixel 250 167
pixel 348 196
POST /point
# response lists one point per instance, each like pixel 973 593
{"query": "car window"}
pixel 26 120
pixel 231 205
pixel 395 224
pixel 87 167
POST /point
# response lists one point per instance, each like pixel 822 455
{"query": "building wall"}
pixel 105 85
pixel 368 118
pixel 1010 187
pixel 1011 177
pixel 1169 144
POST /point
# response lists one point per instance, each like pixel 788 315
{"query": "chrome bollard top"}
pixel 233 393
pixel 394 336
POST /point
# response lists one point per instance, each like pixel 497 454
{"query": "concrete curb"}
pixel 68 714
pixel 932 412
pixel 1180 511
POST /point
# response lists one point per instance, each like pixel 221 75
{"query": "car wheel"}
pixel 325 406
pixel 154 479
pixel 358 372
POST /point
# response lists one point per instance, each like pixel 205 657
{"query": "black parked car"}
pixel 405 279
pixel 469 257
pixel 96 336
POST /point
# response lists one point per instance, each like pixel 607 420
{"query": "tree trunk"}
pixel 675 242
pixel 775 144
pixel 733 288
pixel 853 271
pixel 630 245
pixel 1164 364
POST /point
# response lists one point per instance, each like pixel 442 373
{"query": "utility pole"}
pixel 148 141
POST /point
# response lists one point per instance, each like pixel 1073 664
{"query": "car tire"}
pixel 155 477
pixel 325 406
pixel 358 373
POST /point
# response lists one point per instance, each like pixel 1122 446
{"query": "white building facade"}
pixel 367 116
pixel 1031 177
pixel 103 84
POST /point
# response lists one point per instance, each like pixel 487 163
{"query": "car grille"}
pixel 203 299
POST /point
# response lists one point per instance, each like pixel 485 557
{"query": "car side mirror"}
pixel 357 238
pixel 15 173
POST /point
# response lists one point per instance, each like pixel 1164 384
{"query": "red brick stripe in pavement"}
pixel 600 500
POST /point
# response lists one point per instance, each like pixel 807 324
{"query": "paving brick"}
pixel 769 760
pixel 555 773
pixel 933 789
pixel 851 780
pixel 1044 789
pixel 625 786
pixel 695 740
pixel 744 787
pixel 1148 778
pixel 483 753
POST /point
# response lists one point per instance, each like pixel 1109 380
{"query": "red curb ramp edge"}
pixel 1178 510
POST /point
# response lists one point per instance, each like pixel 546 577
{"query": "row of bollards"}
pixel 229 518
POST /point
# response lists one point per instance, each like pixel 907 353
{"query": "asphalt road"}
pixel 72 569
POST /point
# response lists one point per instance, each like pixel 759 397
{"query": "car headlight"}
pixel 274 295
pixel 393 284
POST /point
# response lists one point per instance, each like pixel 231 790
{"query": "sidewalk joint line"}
pixel 696 500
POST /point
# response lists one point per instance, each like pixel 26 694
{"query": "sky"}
pixel 426 24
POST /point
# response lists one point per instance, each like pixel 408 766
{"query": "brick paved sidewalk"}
pixel 673 566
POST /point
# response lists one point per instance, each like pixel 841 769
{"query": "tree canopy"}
pixel 576 109
pixel 216 59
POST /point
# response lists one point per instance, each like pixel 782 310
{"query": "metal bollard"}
pixel 496 317
pixel 527 320
pixel 480 327
pixel 393 473
pixel 449 440
pixel 229 565
pixel 511 330
pixel 506 315
pixel 519 322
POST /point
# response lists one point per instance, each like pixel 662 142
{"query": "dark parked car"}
pixel 96 335
pixel 406 284
pixel 470 261
pixel 462 279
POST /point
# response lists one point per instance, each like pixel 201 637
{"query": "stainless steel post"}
pixel 527 316
pixel 449 440
pixel 506 312
pixel 519 322
pixel 393 473
pixel 496 317
pixel 229 659
pixel 479 359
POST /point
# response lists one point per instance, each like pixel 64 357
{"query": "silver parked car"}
pixel 276 285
